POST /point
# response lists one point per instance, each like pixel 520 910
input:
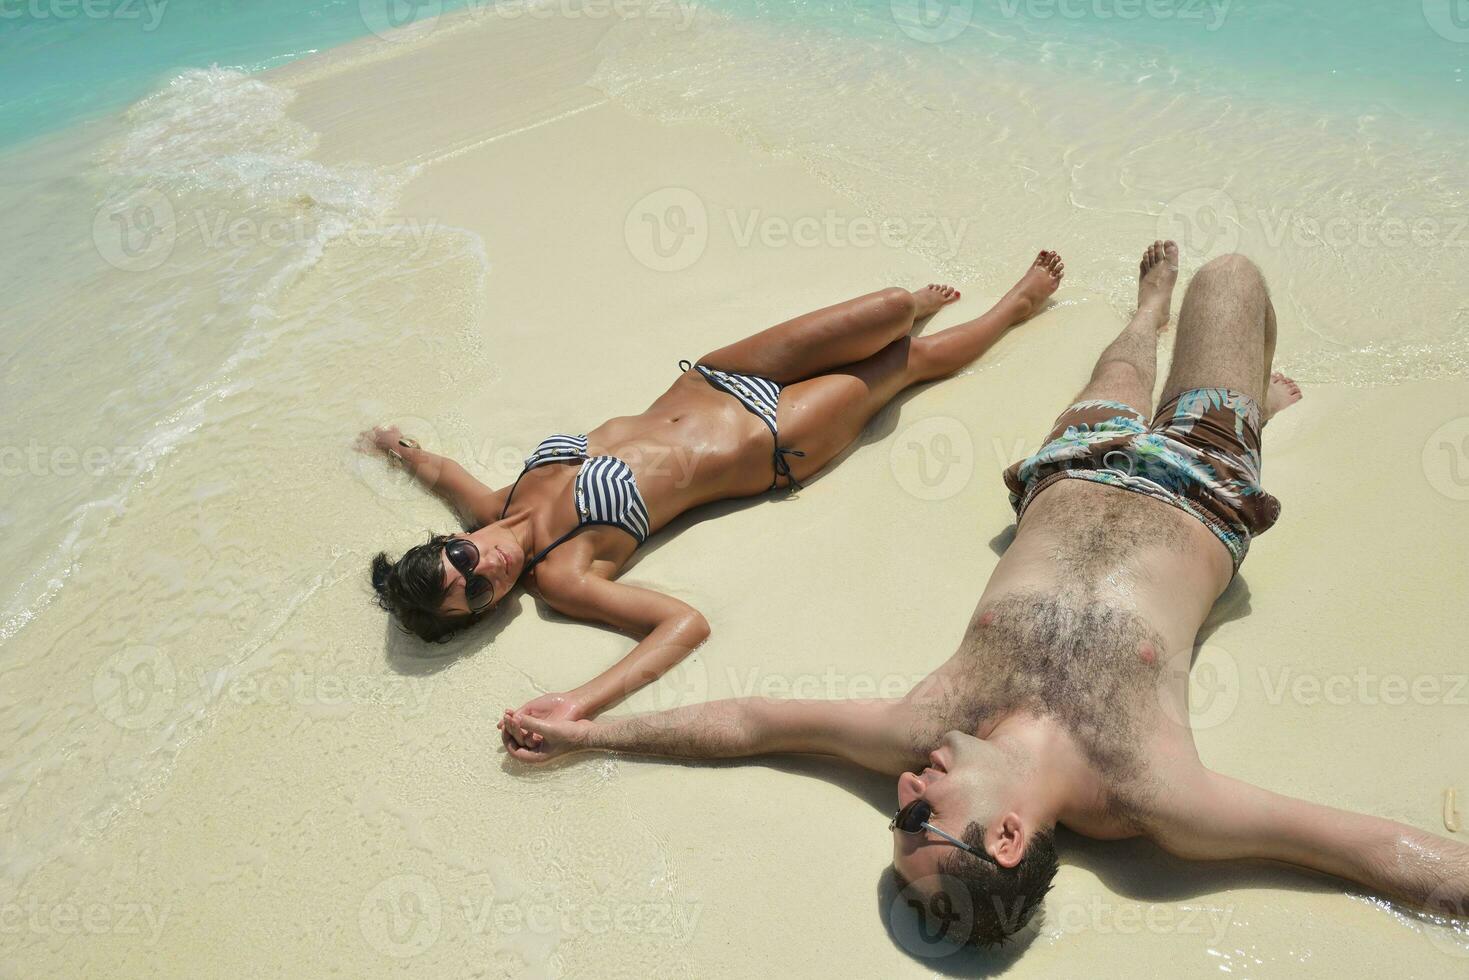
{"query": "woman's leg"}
pixel 822 416
pixel 841 334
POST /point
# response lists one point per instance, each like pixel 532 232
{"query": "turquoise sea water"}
pixel 1408 56
pixel 67 59
pixel 62 60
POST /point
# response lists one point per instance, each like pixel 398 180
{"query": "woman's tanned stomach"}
pixel 694 445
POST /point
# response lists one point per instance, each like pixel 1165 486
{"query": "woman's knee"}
pixel 897 303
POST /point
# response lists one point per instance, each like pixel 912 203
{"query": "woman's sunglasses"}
pixel 479 591
pixel 913 819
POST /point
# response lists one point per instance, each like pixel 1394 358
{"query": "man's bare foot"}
pixel 1039 282
pixel 932 297
pixel 1156 275
pixel 1283 393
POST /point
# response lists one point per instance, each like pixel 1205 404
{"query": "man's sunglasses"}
pixel 913 819
pixel 479 591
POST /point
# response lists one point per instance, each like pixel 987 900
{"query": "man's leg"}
pixel 1128 368
pixel 1226 331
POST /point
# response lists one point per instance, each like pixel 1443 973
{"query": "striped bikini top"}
pixel 606 492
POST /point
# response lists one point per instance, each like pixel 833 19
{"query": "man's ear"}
pixel 1008 838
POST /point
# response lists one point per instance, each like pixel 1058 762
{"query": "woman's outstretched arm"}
pixel 670 630
pixel 475 504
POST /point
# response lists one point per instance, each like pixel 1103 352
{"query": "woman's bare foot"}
pixel 1156 275
pixel 1283 393
pixel 932 297
pixel 1039 282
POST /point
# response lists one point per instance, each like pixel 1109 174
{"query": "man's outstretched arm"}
pixel 1219 818
pixel 874 734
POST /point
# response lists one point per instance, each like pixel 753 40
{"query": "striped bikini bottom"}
pixel 761 397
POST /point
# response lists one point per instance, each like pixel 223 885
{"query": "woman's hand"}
pixel 541 738
pixel 381 439
pixel 547 707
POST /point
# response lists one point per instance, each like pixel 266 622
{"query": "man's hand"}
pixel 541 739
pixel 548 707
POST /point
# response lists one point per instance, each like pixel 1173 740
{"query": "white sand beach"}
pixel 266 779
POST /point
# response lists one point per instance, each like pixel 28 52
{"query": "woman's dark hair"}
pixel 413 590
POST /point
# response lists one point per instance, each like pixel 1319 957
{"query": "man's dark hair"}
pixel 1002 900
pixel 413 590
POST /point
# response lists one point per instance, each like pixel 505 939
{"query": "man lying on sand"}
pixel 1059 707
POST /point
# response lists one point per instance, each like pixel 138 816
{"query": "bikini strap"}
pixel 509 496
pixel 685 365
pixel 552 546
pixel 783 468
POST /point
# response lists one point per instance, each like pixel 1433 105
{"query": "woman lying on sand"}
pixel 766 412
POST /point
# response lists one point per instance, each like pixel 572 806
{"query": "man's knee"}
pixel 1232 268
pixel 1120 373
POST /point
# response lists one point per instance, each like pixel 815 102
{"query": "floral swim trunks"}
pixel 1200 453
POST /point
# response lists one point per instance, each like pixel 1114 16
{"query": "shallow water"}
pixel 966 144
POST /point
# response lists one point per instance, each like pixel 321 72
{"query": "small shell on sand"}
pixel 1450 812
